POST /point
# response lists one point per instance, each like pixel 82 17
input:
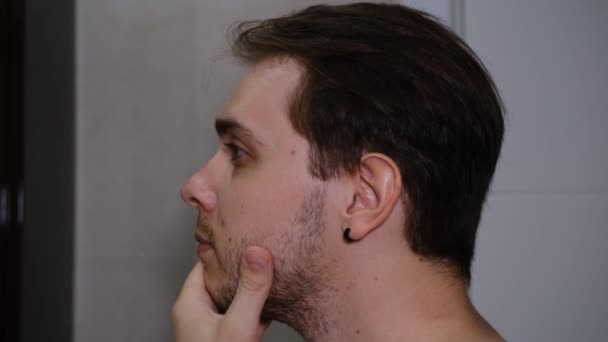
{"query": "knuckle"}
pixel 252 284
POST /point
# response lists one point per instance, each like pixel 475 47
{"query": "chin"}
pixel 221 290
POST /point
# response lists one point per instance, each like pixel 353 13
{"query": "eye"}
pixel 236 153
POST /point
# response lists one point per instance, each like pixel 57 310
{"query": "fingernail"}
pixel 255 262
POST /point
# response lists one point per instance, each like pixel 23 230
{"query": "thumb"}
pixel 255 281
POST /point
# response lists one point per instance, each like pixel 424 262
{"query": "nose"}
pixel 198 192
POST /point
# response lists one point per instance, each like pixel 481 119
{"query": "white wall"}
pixel 540 272
pixel 151 76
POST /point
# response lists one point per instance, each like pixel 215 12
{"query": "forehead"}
pixel 261 100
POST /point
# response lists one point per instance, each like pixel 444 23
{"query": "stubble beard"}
pixel 301 285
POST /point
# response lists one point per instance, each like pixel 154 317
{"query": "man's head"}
pixel 359 115
pixel 256 190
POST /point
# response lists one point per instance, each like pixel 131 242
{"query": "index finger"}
pixel 194 290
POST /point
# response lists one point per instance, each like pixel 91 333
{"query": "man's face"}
pixel 256 190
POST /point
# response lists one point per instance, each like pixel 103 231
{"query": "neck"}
pixel 401 299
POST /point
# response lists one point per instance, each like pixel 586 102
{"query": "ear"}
pixel 378 189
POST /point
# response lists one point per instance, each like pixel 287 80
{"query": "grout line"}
pixel 457 17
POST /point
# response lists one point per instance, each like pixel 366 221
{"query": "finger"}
pixel 255 281
pixel 194 291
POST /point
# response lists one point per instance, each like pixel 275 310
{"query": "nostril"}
pixel 197 193
pixel 208 200
pixel 202 199
pixel 193 202
pixel 188 196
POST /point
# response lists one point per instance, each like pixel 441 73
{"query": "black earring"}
pixel 347 235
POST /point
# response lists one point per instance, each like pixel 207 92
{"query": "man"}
pixel 344 199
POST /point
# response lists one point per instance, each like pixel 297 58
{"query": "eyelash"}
pixel 234 152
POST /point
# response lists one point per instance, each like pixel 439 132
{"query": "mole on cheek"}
pixel 293 152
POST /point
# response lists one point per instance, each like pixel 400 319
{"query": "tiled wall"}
pixel 540 272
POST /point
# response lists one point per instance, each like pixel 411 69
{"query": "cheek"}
pixel 261 202
pixel 249 209
pixel 252 219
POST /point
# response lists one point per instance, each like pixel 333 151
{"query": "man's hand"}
pixel 195 318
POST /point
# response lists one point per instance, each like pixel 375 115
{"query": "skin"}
pixel 257 191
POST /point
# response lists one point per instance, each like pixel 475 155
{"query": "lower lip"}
pixel 203 248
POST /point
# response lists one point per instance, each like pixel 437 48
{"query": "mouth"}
pixel 205 244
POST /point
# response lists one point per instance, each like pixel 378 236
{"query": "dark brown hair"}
pixel 392 79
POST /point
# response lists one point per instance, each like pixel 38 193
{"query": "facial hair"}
pixel 301 285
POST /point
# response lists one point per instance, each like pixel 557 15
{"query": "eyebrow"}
pixel 232 127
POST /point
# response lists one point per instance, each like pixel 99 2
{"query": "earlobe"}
pixel 346 235
pixel 377 190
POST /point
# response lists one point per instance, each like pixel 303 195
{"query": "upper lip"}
pixel 201 238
